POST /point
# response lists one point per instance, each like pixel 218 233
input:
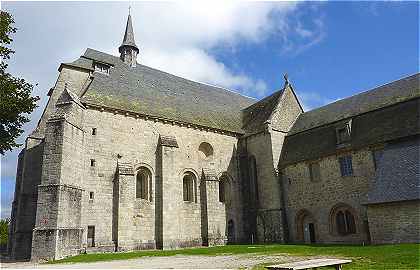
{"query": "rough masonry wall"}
pixel 266 147
pixel 136 141
pixel 29 174
pixel 60 194
pixel 318 198
pixel 392 223
pixel 76 79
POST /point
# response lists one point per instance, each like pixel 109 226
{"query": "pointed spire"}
pixel 128 39
pixel 128 49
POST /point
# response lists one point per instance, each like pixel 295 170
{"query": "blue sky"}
pixel 330 50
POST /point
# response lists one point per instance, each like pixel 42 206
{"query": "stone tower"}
pixel 128 49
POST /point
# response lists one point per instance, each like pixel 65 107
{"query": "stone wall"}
pixel 24 205
pixel 316 200
pixel 136 141
pixel 392 223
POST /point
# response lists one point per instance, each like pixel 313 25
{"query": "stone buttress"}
pixel 58 231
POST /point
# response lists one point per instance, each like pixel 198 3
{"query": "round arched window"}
pixel 189 187
pixel 342 220
pixel 143 184
pixel 206 150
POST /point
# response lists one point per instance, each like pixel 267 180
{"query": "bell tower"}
pixel 128 49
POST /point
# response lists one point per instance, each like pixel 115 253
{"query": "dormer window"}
pixel 100 67
pixel 343 133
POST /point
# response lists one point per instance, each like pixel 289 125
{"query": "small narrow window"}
pixel 142 184
pixel 314 172
pixel 343 133
pixel 346 166
pixel 92 163
pixel 93 131
pixel 91 195
pixel 188 187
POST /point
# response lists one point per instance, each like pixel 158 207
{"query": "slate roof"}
pixel 399 118
pixel 152 92
pixel 398 174
pixel 83 63
pixel 379 97
pixel 254 116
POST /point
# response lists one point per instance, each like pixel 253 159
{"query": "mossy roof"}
pixel 156 93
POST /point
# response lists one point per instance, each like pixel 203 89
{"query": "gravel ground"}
pixel 171 262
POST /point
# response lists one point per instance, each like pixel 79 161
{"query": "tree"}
pixel 4 231
pixel 16 102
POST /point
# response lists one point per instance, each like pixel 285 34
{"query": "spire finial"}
pixel 129 10
pixel 286 80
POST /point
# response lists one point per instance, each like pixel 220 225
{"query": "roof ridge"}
pixel 364 92
pixel 264 99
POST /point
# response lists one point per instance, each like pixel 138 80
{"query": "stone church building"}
pixel 128 157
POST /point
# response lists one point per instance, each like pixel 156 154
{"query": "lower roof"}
pixel 398 173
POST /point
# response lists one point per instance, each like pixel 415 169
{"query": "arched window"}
pixel 189 187
pixel 143 184
pixel 253 179
pixel 206 150
pixel 224 189
pixel 343 220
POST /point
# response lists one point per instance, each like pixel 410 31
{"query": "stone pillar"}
pixel 168 187
pixel 215 222
pixel 126 198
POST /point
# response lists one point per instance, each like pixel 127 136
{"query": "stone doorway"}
pixel 305 227
pixel 91 236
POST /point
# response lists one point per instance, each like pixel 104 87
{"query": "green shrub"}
pixel 4 231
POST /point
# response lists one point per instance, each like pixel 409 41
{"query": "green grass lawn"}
pixel 401 256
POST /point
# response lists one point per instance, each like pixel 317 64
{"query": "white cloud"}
pixel 197 65
pixel 185 31
pixel 177 37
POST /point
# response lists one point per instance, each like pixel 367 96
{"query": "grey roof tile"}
pixel 82 63
pixel 255 116
pixel 156 93
pixel 398 174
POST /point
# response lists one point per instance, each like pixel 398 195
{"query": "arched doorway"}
pixel 305 227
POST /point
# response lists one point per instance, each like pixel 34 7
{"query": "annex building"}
pixel 128 157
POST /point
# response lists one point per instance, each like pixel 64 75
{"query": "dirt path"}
pixel 177 261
